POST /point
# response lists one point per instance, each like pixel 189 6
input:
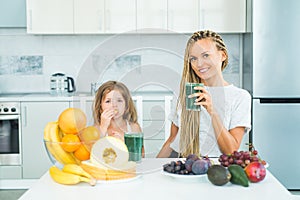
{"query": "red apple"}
pixel 255 171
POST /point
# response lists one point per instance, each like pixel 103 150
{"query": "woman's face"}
pixel 206 60
pixel 114 101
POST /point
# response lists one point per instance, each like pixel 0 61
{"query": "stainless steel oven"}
pixel 10 134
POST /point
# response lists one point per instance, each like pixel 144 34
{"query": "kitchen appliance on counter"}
pixel 60 84
pixel 10 134
pixel 276 87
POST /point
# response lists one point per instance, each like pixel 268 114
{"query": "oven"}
pixel 10 133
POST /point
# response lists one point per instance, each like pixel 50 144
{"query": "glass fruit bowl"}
pixel 69 148
pixel 60 153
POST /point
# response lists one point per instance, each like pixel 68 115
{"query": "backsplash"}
pixel 21 65
pixel 144 62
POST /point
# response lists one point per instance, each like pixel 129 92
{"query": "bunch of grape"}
pixel 242 158
pixel 193 165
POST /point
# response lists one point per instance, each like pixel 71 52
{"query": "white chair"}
pixel 139 108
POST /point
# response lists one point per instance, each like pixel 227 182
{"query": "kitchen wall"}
pixel 145 62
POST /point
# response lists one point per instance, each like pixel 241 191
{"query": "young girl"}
pixel 114 110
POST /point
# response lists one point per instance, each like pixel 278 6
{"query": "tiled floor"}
pixel 11 194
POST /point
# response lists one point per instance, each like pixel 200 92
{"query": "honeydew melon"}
pixel 109 160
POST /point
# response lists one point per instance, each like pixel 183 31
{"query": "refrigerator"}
pixel 276 87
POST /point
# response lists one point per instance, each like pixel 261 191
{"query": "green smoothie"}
pixel 189 89
pixel 134 143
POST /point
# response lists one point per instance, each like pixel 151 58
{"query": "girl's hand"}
pixel 203 98
pixel 106 117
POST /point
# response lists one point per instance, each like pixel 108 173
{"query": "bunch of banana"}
pixel 75 169
pixel 52 137
pixel 72 177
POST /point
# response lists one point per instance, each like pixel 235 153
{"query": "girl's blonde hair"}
pixel 130 113
pixel 190 120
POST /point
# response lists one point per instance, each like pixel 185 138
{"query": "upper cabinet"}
pixel 183 16
pixel 89 16
pixel 49 16
pixel 152 15
pixel 114 16
pixel 223 15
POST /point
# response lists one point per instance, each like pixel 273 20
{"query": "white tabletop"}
pixel 152 184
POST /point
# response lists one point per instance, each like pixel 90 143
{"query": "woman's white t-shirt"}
pixel 233 106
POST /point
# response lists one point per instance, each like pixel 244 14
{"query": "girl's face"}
pixel 206 60
pixel 114 101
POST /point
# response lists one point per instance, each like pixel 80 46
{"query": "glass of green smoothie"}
pixel 134 143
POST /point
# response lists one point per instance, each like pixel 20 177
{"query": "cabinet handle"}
pixel 100 20
pixel 24 117
pixel 108 19
pixel 30 19
pixel 202 20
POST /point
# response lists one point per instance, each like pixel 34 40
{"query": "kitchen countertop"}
pixel 152 184
pixel 17 97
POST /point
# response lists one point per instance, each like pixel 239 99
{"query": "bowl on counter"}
pixel 69 148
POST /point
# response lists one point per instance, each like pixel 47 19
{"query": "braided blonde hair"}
pixel 190 120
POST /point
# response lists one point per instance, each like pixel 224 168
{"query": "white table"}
pixel 152 184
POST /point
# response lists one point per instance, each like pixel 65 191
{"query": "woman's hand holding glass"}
pixel 203 98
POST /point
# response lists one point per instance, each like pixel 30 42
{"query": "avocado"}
pixel 218 175
pixel 238 175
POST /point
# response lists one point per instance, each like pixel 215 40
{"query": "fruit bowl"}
pixel 65 148
pixel 59 156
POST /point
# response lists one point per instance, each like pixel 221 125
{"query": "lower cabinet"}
pixel 35 116
pixel 10 172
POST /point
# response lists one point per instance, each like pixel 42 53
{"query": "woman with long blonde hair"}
pixel 225 109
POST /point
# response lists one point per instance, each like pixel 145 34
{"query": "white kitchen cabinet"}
pixel 80 16
pixel 120 16
pixel 104 16
pixel 152 15
pixel 223 15
pixel 49 16
pixel 89 16
pixel 35 116
pixel 183 15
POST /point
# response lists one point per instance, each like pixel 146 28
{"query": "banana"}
pixel 52 134
pixel 67 178
pixel 75 169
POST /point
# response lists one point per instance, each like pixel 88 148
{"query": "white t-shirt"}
pixel 233 106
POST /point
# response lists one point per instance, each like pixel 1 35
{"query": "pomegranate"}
pixel 255 171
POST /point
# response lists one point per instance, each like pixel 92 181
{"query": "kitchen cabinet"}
pixel 183 15
pixel 49 16
pixel 89 16
pixel 152 15
pixel 223 15
pixel 120 16
pixel 79 16
pixel 12 14
pixel 35 116
pixel 104 16
pixel 113 16
pixel 10 172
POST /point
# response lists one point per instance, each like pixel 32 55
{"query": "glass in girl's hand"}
pixel 134 143
pixel 189 102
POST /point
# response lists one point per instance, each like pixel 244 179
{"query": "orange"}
pixel 82 153
pixel 72 120
pixel 70 142
pixel 89 136
pixel 89 133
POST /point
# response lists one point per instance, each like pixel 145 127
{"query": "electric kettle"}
pixel 61 84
